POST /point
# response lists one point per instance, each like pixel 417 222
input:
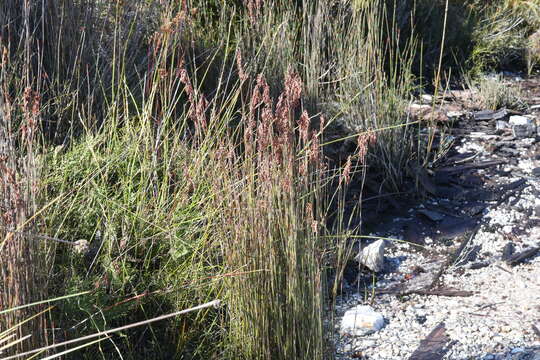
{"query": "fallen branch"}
pixel 522 256
pixel 426 291
pixel 434 346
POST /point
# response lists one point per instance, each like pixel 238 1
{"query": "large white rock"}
pixel 361 320
pixel 520 120
pixel 372 256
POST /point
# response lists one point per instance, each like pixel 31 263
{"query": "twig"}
pixel 452 258
pixel 503 269
pixel 40 237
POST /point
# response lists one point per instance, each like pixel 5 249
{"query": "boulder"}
pixel 372 256
pixel 361 320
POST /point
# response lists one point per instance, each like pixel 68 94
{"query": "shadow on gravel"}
pixel 489 166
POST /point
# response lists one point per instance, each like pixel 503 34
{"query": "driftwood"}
pixel 434 346
pixel 403 291
pixel 427 285
pixel 486 115
pixel 522 256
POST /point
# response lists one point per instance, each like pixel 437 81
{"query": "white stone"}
pixel 372 256
pixel 361 320
pixel 81 246
pixel 455 114
pixel 501 125
pixel 520 120
pixel 426 98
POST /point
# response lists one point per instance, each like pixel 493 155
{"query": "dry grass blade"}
pixel 214 303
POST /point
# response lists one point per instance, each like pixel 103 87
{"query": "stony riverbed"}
pixel 464 266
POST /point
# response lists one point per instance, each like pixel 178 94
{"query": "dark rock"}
pixel 523 131
pixel 508 251
pixel 431 215
pixel 453 227
pixel 421 319
pixel 522 126
pixel 479 265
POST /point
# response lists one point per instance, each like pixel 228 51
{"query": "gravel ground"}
pixel 491 324
pixel 497 321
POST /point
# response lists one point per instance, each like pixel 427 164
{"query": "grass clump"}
pixel 494 93
pixel 273 231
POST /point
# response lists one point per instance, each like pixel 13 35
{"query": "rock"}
pixel 502 125
pixel 520 120
pixel 523 131
pixel 426 99
pixel 372 256
pixel 361 320
pixel 432 215
pixel 508 251
pixel 522 126
pixel 81 246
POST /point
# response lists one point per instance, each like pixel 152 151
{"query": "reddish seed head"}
pixel 241 73
pixel 346 174
pixel 303 125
